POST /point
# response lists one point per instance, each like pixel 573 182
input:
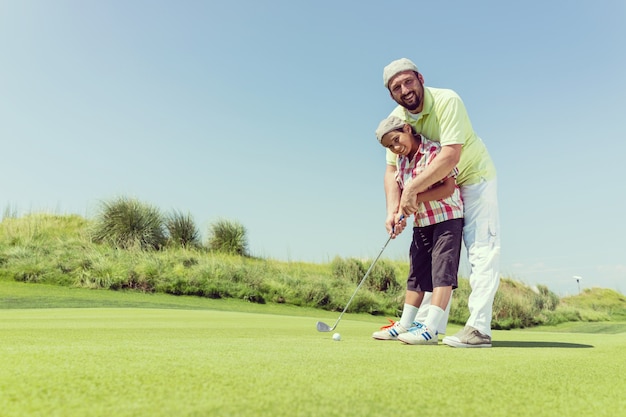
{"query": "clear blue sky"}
pixel 264 113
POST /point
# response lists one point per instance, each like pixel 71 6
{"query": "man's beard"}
pixel 411 107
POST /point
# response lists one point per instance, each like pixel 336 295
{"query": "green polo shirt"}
pixel 445 120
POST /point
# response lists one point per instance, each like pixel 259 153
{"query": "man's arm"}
pixel 438 192
pixel 440 167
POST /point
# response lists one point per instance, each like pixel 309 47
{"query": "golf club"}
pixel 323 327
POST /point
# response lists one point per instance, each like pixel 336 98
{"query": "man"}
pixel 440 115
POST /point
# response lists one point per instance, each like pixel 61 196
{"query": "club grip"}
pixel 399 220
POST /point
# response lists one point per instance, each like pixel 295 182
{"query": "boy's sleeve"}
pixel 454 173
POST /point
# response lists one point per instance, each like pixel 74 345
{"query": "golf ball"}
pixel 336 337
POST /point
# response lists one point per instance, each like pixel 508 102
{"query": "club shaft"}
pixel 361 283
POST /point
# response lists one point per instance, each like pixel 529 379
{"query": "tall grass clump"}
pixel 384 295
pixel 595 304
pixel 217 275
pixel 228 237
pixel 516 305
pixel 127 223
pixel 382 277
pixel 41 248
pixel 182 230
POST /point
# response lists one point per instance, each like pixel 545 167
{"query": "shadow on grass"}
pixel 513 344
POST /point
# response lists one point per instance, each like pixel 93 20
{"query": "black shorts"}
pixel 435 253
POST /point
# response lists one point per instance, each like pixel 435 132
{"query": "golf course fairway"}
pixel 178 362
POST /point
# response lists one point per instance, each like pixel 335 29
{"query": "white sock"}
pixel 408 315
pixel 435 315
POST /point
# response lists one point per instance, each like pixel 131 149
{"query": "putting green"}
pixel 158 362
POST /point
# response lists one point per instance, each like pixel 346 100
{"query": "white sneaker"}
pixel 390 332
pixel 419 335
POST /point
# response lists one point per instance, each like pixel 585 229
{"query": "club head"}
pixel 323 327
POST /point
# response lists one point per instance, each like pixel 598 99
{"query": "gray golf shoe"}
pixel 469 337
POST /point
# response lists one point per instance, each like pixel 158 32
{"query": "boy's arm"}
pixel 438 192
pixel 441 166
pixel 393 193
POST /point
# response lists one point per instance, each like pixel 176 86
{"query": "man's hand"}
pixel 408 201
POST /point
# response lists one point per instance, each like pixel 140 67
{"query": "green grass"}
pixel 69 347
pixel 60 250
pixel 157 355
pixel 599 301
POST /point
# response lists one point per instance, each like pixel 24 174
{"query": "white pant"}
pixel 481 235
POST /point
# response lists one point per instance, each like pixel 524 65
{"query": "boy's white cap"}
pixel 396 67
pixel 387 125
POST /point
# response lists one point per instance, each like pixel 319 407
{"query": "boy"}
pixel 436 247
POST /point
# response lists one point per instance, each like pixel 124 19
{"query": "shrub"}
pixel 363 302
pixel 350 269
pixel 127 223
pixel 31 273
pixel 517 305
pixel 279 292
pixel 228 237
pixel 382 277
pixel 545 299
pixel 182 230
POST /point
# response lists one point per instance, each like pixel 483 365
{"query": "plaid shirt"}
pixel 435 211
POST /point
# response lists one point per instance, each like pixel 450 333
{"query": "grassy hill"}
pixel 60 251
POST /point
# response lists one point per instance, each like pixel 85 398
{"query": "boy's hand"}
pixel 395 224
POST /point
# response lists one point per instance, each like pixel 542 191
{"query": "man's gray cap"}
pixel 396 67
